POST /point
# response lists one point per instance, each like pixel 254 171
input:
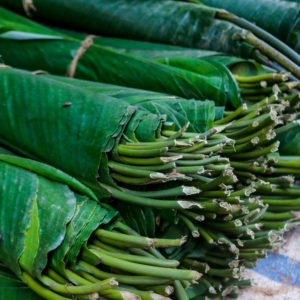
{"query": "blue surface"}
pixel 280 268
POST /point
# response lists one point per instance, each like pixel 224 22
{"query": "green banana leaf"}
pixel 197 26
pixel 12 288
pixel 75 136
pixel 290 142
pixel 200 114
pixel 43 52
pixel 170 22
pixel 280 18
pixel 71 127
pixel 211 69
pixel 148 50
pixel 39 214
pixel 163 52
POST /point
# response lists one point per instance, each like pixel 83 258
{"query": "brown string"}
pixel 85 45
pixel 28 7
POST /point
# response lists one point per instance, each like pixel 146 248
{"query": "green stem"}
pixel 142 153
pixel 273 54
pixel 165 290
pixel 277 216
pixel 147 145
pixel 190 169
pixel 149 202
pixel 158 168
pixel 256 242
pixel 283 208
pixel 106 247
pixel 144 269
pixel 172 192
pixel 78 290
pixel 51 273
pixel 288 163
pixel 254 135
pixel 257 153
pixel 232 116
pixel 180 291
pixel 119 295
pixel 259 216
pixel 282 202
pixel 213 149
pixel 152 261
pixel 134 180
pixel 193 215
pixel 40 290
pixel 134 172
pixel 127 230
pixel 201 162
pixel 125 279
pixel 262 34
pixel 252 255
pixel 144 295
pixel 147 161
pixel 190 225
pixel 193 148
pixel 273 77
pixel 206 235
pixel 76 279
pixel 138 241
pixel 187 156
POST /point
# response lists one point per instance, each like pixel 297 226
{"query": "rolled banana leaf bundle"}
pixel 197 26
pixel 255 81
pixel 280 18
pixel 165 183
pixel 176 111
pixel 62 243
pixel 225 77
pixel 81 57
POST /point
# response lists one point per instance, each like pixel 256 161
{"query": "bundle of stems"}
pixel 76 250
pixel 199 26
pixel 188 174
pixel 209 181
pixel 211 199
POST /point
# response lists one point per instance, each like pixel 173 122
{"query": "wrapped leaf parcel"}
pixel 197 26
pixel 82 57
pixel 47 220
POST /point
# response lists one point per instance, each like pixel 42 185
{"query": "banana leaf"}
pixel 200 114
pixel 148 50
pixel 37 214
pixel 12 288
pixel 29 48
pixel 82 128
pixel 96 122
pixel 197 26
pixel 45 228
pixel 280 18
pixel 290 142
pixel 161 52
pixel 78 129
pixel 113 18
